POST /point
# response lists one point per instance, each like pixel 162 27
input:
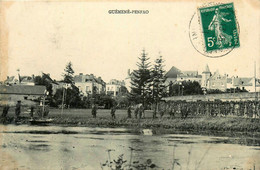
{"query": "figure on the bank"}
pixel 94 111
pixel 129 112
pixel 139 109
pixel 113 112
pixel 5 111
pixel 31 111
pixel 18 109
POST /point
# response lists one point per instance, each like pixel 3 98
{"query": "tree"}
pixel 157 86
pixel 68 75
pixel 71 92
pixel 140 79
pixel 186 88
pixel 72 99
pixel 46 81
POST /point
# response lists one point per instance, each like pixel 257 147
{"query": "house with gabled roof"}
pixel 245 83
pixel 171 75
pixel 24 93
pixel 22 80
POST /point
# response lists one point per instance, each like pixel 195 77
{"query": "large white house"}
pixel 89 84
pixel 113 87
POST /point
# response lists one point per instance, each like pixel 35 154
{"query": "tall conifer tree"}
pixel 157 85
pixel 139 80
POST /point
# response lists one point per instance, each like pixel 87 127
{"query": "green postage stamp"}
pixel 219 27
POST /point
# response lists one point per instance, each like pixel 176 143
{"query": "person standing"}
pixel 113 112
pixel 94 111
pixel 129 112
pixel 5 111
pixel 31 111
pixel 18 109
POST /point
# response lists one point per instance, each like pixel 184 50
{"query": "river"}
pixel 54 147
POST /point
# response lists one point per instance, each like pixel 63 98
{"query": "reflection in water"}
pixel 85 148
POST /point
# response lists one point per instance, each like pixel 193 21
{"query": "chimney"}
pixel 80 74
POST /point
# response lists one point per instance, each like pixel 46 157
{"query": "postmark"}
pixel 214 30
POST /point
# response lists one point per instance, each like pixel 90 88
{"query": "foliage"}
pixel 235 90
pixel 104 100
pixel 43 80
pixel 214 91
pixel 186 88
pixel 68 75
pixel 230 90
pixel 71 97
pixel 191 88
pixel 120 163
pixel 156 85
pixel 122 101
pixel 70 92
pixel 139 80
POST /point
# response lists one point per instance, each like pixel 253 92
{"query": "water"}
pixel 51 147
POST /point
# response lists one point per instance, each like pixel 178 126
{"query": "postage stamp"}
pixel 219 27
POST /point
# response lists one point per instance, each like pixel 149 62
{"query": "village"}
pixel 39 94
pixel 173 86
pixel 25 88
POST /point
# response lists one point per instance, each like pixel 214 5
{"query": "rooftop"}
pixel 22 89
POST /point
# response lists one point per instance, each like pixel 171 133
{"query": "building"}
pixel 205 77
pixel 174 76
pixel 189 76
pixel 25 93
pixel 171 75
pixel 217 81
pixel 244 83
pixel 22 80
pixel 114 86
pixel 214 81
pixel 89 84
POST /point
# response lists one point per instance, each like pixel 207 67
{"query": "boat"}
pixel 40 121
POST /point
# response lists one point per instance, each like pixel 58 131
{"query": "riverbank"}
pixel 192 125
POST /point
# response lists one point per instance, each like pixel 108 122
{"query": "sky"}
pixel 44 36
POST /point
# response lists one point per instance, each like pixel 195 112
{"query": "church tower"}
pixel 205 76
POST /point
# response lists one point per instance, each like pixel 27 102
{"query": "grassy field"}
pixel 83 117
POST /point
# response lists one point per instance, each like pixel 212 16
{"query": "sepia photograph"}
pixel 129 85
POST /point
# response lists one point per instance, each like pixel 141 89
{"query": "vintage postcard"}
pixel 124 85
